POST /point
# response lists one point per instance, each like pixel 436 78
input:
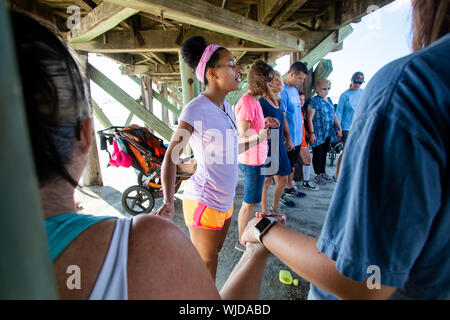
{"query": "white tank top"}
pixel 112 282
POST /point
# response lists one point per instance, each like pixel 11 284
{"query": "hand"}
pixel 248 236
pixel 166 210
pixel 312 138
pixel 289 145
pixel 270 122
pixel 263 135
pixel 274 213
pixel 339 133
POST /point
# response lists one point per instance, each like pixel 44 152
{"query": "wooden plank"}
pixel 208 16
pixel 164 41
pixel 287 11
pixel 101 19
pixel 128 102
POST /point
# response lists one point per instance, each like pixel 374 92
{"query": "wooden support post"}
pixel 147 96
pixel 189 82
pixel 165 112
pixel 25 268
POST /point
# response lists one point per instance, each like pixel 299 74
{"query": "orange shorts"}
pixel 198 215
pixel 304 144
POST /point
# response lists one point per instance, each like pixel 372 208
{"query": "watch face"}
pixel 261 225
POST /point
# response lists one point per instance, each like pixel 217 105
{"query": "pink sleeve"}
pixel 245 109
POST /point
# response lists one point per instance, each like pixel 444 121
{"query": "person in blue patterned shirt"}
pixel 322 121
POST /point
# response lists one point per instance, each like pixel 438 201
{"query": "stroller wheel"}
pixel 137 200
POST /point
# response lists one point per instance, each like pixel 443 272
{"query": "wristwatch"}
pixel 262 226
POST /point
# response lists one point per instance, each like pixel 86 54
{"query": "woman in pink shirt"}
pixel 251 122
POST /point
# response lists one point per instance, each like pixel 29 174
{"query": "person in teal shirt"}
pixel 346 109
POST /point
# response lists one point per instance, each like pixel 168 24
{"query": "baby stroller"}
pixel 334 149
pixel 135 146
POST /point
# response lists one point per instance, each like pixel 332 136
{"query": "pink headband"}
pixel 200 70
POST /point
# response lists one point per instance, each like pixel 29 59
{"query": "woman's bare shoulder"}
pixel 163 263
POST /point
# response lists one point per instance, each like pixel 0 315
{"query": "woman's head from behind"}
pixel 260 78
pixel 55 98
pixel 214 65
pixel 322 87
pixel 431 21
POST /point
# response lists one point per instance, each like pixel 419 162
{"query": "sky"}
pixel 378 39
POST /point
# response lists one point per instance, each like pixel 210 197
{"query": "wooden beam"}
pixel 128 102
pixel 164 41
pixel 287 11
pixel 342 13
pixel 327 45
pixel 101 19
pixel 100 115
pixel 270 8
pixel 208 16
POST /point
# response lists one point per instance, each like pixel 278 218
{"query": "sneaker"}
pixel 293 192
pixel 306 185
pixel 320 180
pixel 239 247
pixel 327 178
pixel 285 201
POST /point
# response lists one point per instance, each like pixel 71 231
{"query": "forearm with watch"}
pixel 299 253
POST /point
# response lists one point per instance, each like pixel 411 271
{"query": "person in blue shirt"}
pixel 291 107
pixel 346 107
pixel 385 235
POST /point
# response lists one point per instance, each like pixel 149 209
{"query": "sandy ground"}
pixel 307 217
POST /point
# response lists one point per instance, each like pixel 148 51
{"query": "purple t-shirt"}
pixel 215 146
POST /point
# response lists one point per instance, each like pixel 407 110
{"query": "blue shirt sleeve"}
pixel 284 101
pixel 370 220
pixel 340 107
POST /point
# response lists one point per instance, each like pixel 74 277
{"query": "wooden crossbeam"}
pixel 128 102
pixel 287 11
pixel 101 19
pixel 208 16
pixel 164 41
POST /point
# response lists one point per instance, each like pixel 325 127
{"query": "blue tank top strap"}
pixel 64 228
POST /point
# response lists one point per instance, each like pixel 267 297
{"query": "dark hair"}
pixel 431 21
pixel 258 77
pixel 298 67
pixel 54 95
pixel 192 50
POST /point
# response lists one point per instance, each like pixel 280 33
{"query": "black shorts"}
pixel 294 155
pixel 344 136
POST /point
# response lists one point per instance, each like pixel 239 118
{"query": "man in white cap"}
pixel 345 110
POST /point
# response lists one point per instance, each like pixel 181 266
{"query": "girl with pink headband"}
pixel 208 123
